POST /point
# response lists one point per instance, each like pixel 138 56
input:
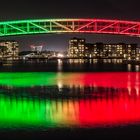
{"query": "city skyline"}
pixel 61 40
pixel 78 48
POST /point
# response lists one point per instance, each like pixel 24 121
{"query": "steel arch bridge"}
pixel 41 26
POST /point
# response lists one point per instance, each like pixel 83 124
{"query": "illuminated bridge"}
pixel 41 26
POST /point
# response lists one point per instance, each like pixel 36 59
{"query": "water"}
pixel 54 102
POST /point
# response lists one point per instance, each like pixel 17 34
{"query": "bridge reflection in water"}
pixel 114 100
pixel 25 112
pixel 32 112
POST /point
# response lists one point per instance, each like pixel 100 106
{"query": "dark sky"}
pixel 35 9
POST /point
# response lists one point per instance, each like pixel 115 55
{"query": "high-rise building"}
pixel 120 50
pixel 76 47
pixel 9 49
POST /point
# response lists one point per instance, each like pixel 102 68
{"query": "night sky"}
pixel 109 9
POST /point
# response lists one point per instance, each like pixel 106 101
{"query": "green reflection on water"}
pixel 23 112
pixel 28 79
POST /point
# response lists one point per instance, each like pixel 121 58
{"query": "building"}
pixel 9 49
pixel 120 50
pixel 78 48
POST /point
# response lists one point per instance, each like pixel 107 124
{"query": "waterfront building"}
pixel 120 50
pixel 137 54
pixel 78 48
pixel 9 49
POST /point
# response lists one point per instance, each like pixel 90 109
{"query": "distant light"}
pixel 90 56
pixel 60 55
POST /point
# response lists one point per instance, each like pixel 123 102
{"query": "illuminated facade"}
pixel 120 50
pixel 78 48
pixel 9 49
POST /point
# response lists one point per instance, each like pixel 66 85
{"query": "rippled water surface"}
pixel 53 100
pixel 69 99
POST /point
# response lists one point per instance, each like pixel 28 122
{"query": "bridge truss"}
pixel 23 27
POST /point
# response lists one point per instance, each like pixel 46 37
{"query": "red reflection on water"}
pixel 115 111
pixel 106 79
pixel 123 107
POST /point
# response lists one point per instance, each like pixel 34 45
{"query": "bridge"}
pixel 43 26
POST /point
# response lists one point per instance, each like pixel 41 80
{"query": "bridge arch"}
pixel 41 26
